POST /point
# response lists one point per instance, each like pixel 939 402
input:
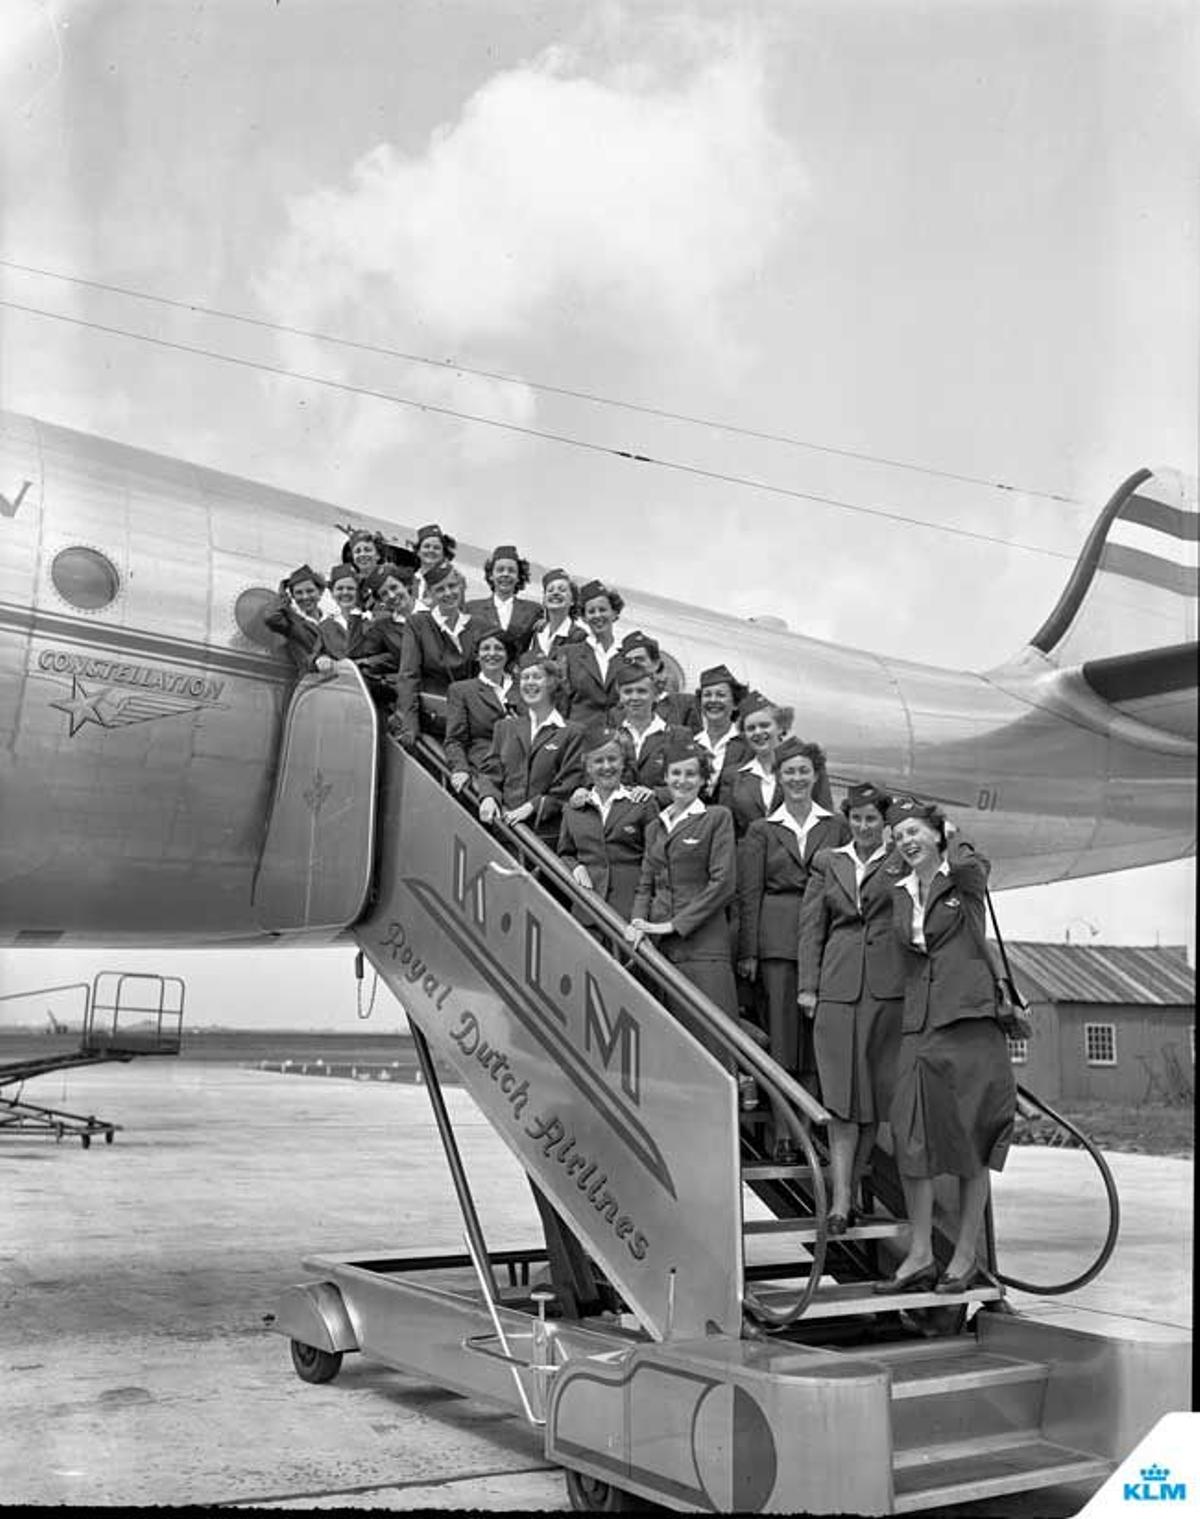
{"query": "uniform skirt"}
pixel 857 1048
pixel 955 1100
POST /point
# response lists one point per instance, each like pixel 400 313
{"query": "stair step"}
pixel 988 1468
pixel 933 1375
pixel 806 1228
pixel 849 1298
pixel 771 1171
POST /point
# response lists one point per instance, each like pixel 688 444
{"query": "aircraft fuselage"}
pixel 142 701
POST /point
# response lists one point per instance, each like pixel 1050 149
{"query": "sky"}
pixel 929 249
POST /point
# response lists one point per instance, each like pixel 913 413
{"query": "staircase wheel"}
pixel 86 1141
pixel 313 1364
pixel 591 1495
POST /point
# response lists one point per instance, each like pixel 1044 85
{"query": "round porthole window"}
pixel 248 613
pixel 86 578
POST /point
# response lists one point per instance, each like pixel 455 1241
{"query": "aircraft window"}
pixel 85 577
pixel 673 670
pixel 248 614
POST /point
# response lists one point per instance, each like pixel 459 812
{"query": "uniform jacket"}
pixel 952 979
pixel 525 616
pixel 345 642
pixel 472 711
pixel 611 850
pixel 689 878
pixel 772 877
pixel 380 645
pixel 303 637
pixel 430 662
pixel 650 766
pixel 587 695
pixel 848 949
pixel 737 752
pixel 741 791
pixel 573 634
pixel 547 771
pixel 679 707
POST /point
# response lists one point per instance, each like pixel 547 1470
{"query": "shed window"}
pixel 1100 1043
pixel 1018 1050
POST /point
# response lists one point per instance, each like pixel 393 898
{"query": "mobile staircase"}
pixel 717 1361
pixel 126 1014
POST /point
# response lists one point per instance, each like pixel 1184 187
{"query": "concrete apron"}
pixel 135 1366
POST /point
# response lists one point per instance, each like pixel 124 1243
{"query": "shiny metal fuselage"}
pixel 138 740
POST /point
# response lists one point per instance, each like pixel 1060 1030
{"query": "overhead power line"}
pixel 455 365
pixel 746 481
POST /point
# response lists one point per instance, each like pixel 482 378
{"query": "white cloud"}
pixel 620 208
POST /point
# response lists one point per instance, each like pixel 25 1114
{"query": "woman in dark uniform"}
pixel 536 760
pixel 955 1099
pixel 474 706
pixel 342 631
pixel 438 648
pixel 507 574
pixel 297 617
pixel 557 623
pixel 433 549
pixel 591 665
pixel 687 883
pixel 852 979
pixel 751 789
pixel 772 874
pixel 601 842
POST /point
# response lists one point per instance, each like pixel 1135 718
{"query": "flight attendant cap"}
pixel 866 794
pixel 555 575
pixel 438 573
pixel 306 572
pixel 591 590
pixel 908 807
pixel 506 551
pixel 640 640
pixel 378 577
pixel 625 672
pixel 680 749
pixel 755 702
pixel 342 572
pixel 718 675
pixel 791 748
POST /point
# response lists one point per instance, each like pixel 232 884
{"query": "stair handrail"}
pixel 522 841
pixel 1114 1211
pixel 687 992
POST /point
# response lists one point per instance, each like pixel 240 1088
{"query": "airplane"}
pixel 143 701
pixel 168 780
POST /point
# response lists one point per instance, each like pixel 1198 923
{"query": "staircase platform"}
pixel 806 1229
pixel 845 1299
pixel 987 1469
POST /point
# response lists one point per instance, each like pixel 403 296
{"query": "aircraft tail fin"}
pixel 1127 617
pixel 1134 586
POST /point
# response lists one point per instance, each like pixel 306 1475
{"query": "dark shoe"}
pixel 836 1224
pixel 916 1281
pixel 971 1277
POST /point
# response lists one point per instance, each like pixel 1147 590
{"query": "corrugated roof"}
pixel 1103 973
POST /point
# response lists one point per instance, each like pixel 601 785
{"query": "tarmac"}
pixel 136 1366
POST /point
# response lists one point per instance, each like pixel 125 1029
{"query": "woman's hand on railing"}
pixel 519 814
pixel 489 810
pixel 458 779
pixel 581 878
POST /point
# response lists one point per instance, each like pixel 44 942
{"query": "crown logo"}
pixel 1155 1473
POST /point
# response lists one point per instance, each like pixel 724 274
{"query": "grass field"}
pixel 1145 1129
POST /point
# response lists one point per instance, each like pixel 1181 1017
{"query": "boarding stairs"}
pixel 126 1015
pixel 614 1082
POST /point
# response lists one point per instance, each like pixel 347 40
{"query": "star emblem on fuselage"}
pixel 84 706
